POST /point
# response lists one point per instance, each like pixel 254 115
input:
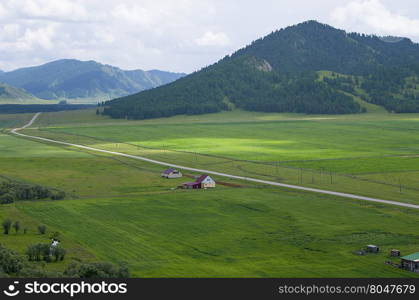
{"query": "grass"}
pixel 121 210
pixel 374 154
pixel 19 241
pixel 236 233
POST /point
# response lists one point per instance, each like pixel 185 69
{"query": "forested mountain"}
pixel 69 78
pixel 282 73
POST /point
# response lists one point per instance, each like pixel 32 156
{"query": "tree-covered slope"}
pixel 279 73
pixel 69 78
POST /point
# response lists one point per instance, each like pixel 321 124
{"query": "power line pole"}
pixel 301 175
pixel 400 184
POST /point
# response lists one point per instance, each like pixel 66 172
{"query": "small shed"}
pixel 411 262
pixel 395 253
pixel 191 185
pixel 171 173
pixel 54 243
pixel 373 249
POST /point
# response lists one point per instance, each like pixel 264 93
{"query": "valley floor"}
pixel 121 210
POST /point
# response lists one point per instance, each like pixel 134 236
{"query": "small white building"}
pixel 206 182
pixel 202 182
pixel 171 173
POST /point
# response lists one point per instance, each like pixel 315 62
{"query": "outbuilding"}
pixel 411 262
pixel 171 173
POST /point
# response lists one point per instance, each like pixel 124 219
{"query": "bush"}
pixel 58 252
pixel 10 261
pixel 39 252
pixel 96 270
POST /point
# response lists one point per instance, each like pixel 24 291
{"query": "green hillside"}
pixel 12 95
pixel 278 73
pixel 74 79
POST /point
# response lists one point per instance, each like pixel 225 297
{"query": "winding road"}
pixel 272 183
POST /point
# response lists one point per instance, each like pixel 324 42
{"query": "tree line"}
pixel 11 191
pixel 12 264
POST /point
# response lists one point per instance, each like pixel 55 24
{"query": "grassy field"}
pixel 121 210
pixel 374 154
pixel 249 232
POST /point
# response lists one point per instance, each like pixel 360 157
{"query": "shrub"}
pixel 96 270
pixel 55 235
pixel 58 252
pixel 39 252
pixel 10 261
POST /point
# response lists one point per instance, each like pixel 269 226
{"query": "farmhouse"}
pixel 171 173
pixel 203 182
pixel 411 262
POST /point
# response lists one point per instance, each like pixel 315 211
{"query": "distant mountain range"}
pixel 306 68
pixel 74 79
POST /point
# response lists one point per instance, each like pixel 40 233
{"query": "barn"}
pixel 411 262
pixel 171 173
pixel 202 182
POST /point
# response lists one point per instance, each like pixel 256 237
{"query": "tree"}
pixel 42 229
pixel 16 226
pixel 6 226
pixel 10 261
pixel 58 252
pixel 39 252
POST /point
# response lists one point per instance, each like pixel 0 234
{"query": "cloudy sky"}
pixel 181 35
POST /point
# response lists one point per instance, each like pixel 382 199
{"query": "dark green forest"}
pixel 34 108
pixel 279 73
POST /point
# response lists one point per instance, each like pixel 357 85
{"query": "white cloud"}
pixel 181 35
pixel 40 37
pixel 375 17
pixel 62 10
pixel 213 39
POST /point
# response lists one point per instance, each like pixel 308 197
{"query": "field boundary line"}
pixel 16 132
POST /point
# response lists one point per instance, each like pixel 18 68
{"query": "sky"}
pixel 178 36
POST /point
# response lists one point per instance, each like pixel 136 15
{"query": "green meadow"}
pixel 373 154
pixel 118 209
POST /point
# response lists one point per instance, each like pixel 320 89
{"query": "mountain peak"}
pixel 281 72
pixel 72 78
